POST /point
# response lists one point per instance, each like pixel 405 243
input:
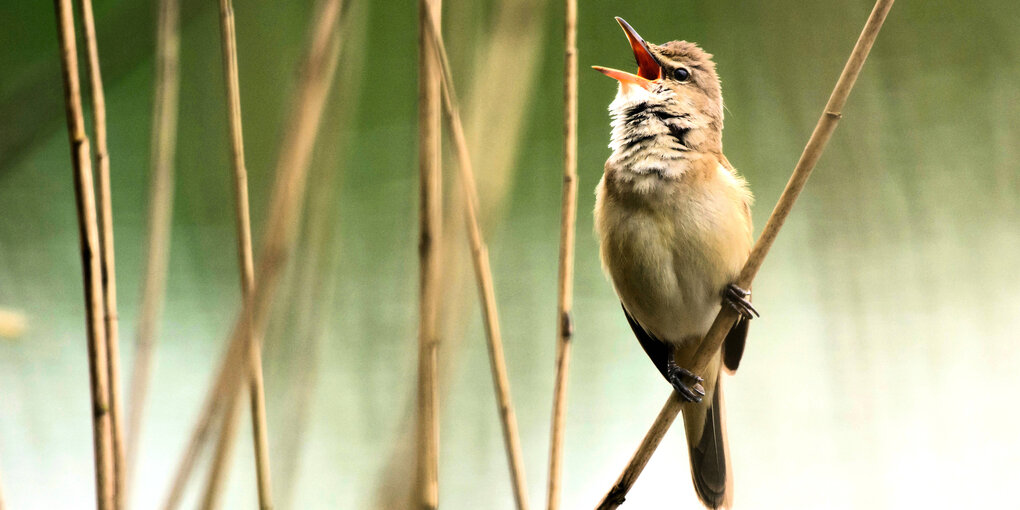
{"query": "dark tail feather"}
pixel 709 451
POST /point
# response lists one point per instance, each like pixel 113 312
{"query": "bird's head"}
pixel 676 84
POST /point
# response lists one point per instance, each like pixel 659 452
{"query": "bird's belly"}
pixel 665 278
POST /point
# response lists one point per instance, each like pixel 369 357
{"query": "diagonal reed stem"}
pixel 220 463
pixel 315 280
pixel 565 287
pixel 224 447
pixel 316 78
pixel 430 203
pixel 483 273
pixel 106 259
pixel 163 142
pixel 88 231
pixel 727 316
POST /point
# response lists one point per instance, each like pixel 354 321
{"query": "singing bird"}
pixel 673 219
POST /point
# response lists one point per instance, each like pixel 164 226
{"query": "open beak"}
pixel 649 69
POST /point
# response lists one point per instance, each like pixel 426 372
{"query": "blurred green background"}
pixel 883 373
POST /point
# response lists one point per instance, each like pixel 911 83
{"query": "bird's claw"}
pixel 736 297
pixel 686 383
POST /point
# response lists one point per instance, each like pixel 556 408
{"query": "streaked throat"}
pixel 650 135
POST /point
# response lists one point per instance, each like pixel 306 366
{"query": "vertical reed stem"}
pixel 163 142
pixel 430 237
pixel 246 264
pixel 514 40
pixel 565 288
pixel 88 231
pixel 483 273
pixel 727 316
pixel 106 259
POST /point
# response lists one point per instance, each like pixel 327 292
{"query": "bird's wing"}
pixel 656 349
pixel 733 346
pixel 659 351
pixel 704 422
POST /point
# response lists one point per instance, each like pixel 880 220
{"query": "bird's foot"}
pixel 686 383
pixel 737 298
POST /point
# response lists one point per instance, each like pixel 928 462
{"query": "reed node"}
pixel 88 233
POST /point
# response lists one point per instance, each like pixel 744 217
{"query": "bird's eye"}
pixel 681 74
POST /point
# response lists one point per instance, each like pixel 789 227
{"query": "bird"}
pixel 673 221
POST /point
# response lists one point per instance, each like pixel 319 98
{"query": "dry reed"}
pixel 565 287
pixel 483 273
pixel 162 145
pixel 222 455
pixel 223 451
pixel 315 278
pixel 88 230
pixel 430 265
pixel 106 259
pixel 512 40
pixel 313 281
pixel 316 78
pixel 212 410
pixel 727 316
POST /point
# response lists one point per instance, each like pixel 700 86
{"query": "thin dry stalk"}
pixel 727 316
pixel 106 260
pixel 229 402
pixel 314 287
pixel 511 40
pixel 163 143
pixel 260 429
pixel 247 268
pixel 88 231
pixel 315 279
pixel 565 288
pixel 430 237
pixel 317 72
pixel 483 273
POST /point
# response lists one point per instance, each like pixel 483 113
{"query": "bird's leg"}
pixel 685 382
pixel 737 298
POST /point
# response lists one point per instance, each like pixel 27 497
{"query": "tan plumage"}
pixel 671 249
pixel 674 227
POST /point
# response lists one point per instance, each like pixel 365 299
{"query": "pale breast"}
pixel 671 252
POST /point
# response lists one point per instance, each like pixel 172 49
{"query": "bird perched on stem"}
pixel 673 219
